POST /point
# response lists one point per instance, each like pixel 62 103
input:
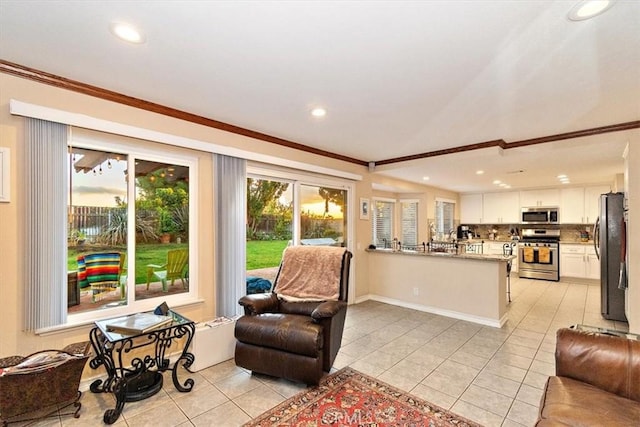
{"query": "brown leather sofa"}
pixel 597 381
pixel 296 340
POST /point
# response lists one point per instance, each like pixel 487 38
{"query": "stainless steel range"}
pixel 539 254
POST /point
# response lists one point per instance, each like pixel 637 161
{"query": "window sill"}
pixel 67 327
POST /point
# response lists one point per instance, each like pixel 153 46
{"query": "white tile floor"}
pixel 492 376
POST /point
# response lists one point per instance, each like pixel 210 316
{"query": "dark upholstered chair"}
pixel 295 331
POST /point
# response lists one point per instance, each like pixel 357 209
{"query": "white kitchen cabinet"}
pixel 572 205
pixel 532 198
pixel 580 205
pixel 471 209
pixel 501 208
pixel 592 202
pixel 579 261
pixel 593 264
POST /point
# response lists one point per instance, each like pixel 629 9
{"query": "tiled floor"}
pixel 492 376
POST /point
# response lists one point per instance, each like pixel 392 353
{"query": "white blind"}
pixel 409 219
pixel 45 258
pixel 444 216
pixel 231 206
pixel 382 222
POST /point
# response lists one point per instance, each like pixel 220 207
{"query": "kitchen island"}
pixel 465 286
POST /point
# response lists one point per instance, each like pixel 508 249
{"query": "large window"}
pixel 269 226
pixel 129 218
pixel 323 215
pixel 290 209
pixel 409 220
pixel 444 218
pixel 382 224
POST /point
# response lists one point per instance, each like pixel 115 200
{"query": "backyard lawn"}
pixel 264 253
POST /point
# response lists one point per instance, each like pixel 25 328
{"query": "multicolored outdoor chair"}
pixel 174 268
pixel 100 271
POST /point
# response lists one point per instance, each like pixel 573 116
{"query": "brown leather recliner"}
pixel 295 331
pixel 597 382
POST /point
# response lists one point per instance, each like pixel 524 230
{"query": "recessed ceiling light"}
pixel 497 182
pixel 561 176
pixel 586 9
pixel 479 172
pixel 318 112
pixel 502 184
pixel 565 182
pixel 507 186
pixel 425 178
pixel 127 32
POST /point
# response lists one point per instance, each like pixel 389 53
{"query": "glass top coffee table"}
pixel 135 361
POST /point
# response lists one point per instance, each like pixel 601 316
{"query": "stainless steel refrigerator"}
pixel 609 241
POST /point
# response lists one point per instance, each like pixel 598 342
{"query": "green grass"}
pixel 264 253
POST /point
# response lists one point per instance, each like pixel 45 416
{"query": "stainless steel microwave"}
pixel 539 215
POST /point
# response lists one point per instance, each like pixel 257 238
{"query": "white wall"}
pixel 633 232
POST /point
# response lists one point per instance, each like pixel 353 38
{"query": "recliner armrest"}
pixel 327 309
pixel 259 303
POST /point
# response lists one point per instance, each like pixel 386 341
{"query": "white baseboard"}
pixel 434 310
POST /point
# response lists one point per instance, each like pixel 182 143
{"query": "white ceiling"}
pixel 398 78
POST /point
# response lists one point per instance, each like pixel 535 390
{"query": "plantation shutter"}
pixel 409 218
pixel 382 222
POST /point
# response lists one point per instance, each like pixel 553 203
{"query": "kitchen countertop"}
pixel 575 242
pixel 477 257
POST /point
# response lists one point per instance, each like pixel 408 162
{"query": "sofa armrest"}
pixel 259 303
pixel 607 362
pixel 327 309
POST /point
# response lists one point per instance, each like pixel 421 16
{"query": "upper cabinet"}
pixel 592 202
pixel 572 205
pixel 580 205
pixel 531 198
pixel 500 208
pixel 471 209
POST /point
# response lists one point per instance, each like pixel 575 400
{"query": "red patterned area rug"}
pixel 350 398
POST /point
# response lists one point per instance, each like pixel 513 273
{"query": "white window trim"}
pixel 298 178
pixel 442 199
pixel 394 219
pixel 417 202
pixel 133 306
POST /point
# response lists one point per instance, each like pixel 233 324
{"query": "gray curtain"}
pixel 45 257
pixel 230 216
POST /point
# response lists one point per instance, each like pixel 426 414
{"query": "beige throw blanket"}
pixel 310 273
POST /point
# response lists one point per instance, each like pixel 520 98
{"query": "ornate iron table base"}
pixel 142 376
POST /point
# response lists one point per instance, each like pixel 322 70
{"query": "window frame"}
pixel 160 155
pixel 438 212
pixel 374 210
pixel 416 225
pixel 297 179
